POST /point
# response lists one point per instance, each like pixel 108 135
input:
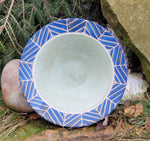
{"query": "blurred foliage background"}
pixel 20 19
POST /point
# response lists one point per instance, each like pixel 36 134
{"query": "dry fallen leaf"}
pixel 138 109
pixel 1 28
pixel 130 111
pixel 147 125
pixel 122 125
pixel 33 117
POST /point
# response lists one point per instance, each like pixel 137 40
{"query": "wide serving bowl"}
pixel 73 72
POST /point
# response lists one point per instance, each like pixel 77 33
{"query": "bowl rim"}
pixel 74 26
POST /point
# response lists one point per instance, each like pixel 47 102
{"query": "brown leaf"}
pixel 122 125
pixel 138 109
pixel 1 28
pixel 129 111
pixel 147 125
pixel 33 117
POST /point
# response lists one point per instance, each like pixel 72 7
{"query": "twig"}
pixel 31 15
pixel 15 127
pixel 12 3
pixel 38 13
pixel 23 12
pixel 6 56
pixel 2 19
pixel 74 7
pixel 14 35
pixel 12 42
pixel 18 25
pixel 6 22
pixel 45 5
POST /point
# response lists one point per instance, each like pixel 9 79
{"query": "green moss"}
pixel 9 117
pixel 27 130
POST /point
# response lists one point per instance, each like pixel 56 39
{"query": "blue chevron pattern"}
pixel 79 26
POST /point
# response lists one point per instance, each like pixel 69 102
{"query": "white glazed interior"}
pixel 73 72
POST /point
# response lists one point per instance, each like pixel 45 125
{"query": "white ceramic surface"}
pixel 73 72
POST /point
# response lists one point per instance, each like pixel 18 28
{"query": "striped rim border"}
pixel 93 30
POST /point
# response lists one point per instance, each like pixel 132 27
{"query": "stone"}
pixel 136 87
pixel 11 91
pixel 130 21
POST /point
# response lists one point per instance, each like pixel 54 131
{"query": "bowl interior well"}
pixel 73 72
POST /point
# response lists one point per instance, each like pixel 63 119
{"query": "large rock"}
pixel 130 19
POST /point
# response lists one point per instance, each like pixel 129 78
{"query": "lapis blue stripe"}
pixel 53 116
pixel 99 107
pixel 87 122
pixel 69 118
pixel 109 38
pixel 56 30
pixel 123 61
pixel 25 71
pixel 116 89
pixel 48 117
pixel 54 33
pixel 73 23
pixel 106 108
pixel 62 21
pixel 86 32
pixel 89 27
pixel 121 79
pixel 119 97
pixel 31 94
pixel 22 75
pixel 77 124
pixel 24 87
pixel 71 122
pixel 89 117
pixel 29 47
pixel 81 30
pixel 107 43
pixel 100 29
pixel 115 54
pixel 74 29
pixel 103 107
pixel 35 37
pixel 96 115
pixel 116 93
pixel 59 25
pixel 95 29
pixel 115 86
pixel 124 67
pixel 122 72
pixel 112 106
pixel 58 115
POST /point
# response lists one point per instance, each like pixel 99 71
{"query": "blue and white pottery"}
pixel 73 72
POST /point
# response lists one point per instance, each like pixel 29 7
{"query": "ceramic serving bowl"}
pixel 73 72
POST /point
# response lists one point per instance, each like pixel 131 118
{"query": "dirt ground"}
pixel 129 121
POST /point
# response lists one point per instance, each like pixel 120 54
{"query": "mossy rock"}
pixel 130 21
